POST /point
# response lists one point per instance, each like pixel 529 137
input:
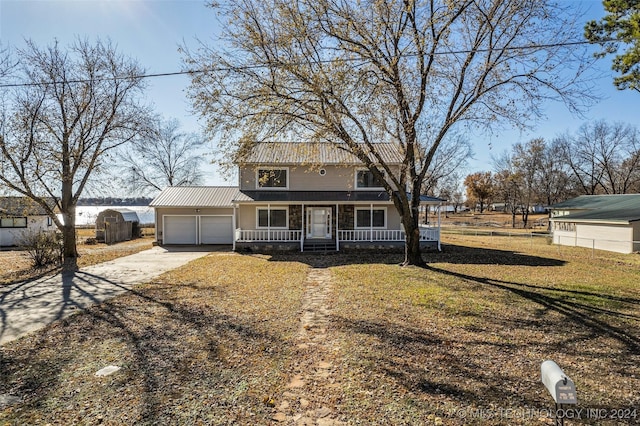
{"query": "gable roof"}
pixel 619 208
pixel 195 196
pixel 315 153
pixel 20 206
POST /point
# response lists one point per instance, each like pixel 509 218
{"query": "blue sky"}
pixel 151 30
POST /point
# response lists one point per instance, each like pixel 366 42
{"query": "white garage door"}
pixel 216 230
pixel 180 230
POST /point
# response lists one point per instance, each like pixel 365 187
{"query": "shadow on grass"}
pixel 585 315
pixel 158 362
pixel 435 363
pixel 450 254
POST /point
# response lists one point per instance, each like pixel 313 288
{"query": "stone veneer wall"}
pixel 295 217
pixel 346 216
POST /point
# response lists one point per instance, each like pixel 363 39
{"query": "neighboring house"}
pixel 19 215
pixel 604 222
pixel 292 196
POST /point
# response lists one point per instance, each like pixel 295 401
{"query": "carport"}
pixel 195 215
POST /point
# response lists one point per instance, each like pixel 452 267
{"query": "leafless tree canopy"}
pixel 76 105
pixel 406 72
pixel 163 156
pixel 604 158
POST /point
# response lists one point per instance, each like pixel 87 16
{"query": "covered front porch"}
pixel 327 226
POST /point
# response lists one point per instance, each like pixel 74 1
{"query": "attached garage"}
pixel 216 229
pixel 180 229
pixel 195 215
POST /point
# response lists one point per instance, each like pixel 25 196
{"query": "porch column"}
pixel 371 222
pixel 337 229
pixel 302 230
pixel 233 225
pixel 439 232
pixel 268 222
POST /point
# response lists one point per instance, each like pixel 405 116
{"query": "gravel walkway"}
pixel 313 385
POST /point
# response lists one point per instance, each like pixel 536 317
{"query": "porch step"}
pixel 320 246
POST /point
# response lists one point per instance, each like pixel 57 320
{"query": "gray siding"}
pixel 304 178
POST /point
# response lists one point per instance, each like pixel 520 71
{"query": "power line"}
pixel 257 66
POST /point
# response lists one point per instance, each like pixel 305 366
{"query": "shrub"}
pixel 44 248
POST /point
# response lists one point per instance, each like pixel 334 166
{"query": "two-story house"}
pixel 291 196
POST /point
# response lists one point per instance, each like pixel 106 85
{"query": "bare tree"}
pixel 555 183
pixel 164 156
pixel 452 157
pixel 450 188
pixel 508 188
pixel 73 106
pixel 603 157
pixel 404 72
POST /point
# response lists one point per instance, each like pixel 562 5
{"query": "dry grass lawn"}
pixel 15 265
pixel 458 343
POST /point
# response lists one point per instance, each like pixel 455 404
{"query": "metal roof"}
pixel 602 216
pixel 128 215
pixel 589 202
pixel 316 153
pixel 321 197
pixel 196 196
pixel 620 208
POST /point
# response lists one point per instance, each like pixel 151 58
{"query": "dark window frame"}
pixel 274 180
pixel 270 217
pixel 371 216
pixel 13 219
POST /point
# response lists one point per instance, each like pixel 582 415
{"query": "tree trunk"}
pixel 525 216
pixel 69 252
pixel 412 254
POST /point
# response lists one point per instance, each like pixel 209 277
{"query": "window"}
pixel 565 226
pixel 366 179
pixel 272 178
pixel 13 222
pixel 272 218
pixel 368 218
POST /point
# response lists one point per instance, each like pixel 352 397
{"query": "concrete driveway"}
pixel 29 306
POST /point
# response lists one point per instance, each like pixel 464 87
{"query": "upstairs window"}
pixel 366 179
pixel 273 178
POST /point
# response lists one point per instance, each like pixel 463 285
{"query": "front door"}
pixel 319 222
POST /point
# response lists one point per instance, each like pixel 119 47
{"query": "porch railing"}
pixel 426 234
pixel 267 235
pixel 274 235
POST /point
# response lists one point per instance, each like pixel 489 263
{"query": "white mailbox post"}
pixel 561 387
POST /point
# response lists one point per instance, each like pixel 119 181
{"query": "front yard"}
pixel 458 343
pixel 15 265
